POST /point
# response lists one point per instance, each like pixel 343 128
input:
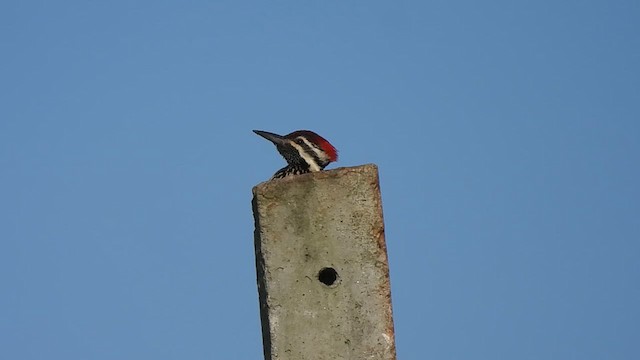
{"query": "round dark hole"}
pixel 328 276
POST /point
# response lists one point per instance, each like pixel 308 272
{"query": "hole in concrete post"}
pixel 328 276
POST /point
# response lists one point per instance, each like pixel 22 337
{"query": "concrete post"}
pixel 323 274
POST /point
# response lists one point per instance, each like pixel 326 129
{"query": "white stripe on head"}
pixel 313 166
pixel 321 154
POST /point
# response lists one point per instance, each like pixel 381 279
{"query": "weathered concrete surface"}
pixel 307 223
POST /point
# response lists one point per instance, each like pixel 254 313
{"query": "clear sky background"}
pixel 507 134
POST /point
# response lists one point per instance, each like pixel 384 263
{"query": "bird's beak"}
pixel 274 138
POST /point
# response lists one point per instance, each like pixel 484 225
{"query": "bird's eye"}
pixel 299 141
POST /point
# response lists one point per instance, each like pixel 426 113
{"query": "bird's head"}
pixel 303 148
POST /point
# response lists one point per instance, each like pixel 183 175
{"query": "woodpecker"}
pixel 304 151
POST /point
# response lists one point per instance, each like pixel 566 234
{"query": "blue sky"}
pixel 506 133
